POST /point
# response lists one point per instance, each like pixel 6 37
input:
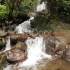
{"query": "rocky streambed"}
pixel 57 45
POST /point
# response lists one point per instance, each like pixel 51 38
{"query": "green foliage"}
pixel 60 9
pixel 3 12
pixel 16 6
pixel 2 8
pixel 40 21
pixel 27 5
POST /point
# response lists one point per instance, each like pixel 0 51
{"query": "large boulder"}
pixel 54 46
pixel 50 44
pixel 16 55
pixel 14 38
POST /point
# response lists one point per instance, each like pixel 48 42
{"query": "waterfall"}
pixel 36 52
pixel 35 48
pixel 24 27
pixel 41 7
pixel 8 46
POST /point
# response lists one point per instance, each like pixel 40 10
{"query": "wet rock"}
pixel 18 37
pixel 21 45
pixel 60 49
pixel 11 32
pixel 23 37
pixel 50 44
pixel 33 35
pixel 16 55
pixel 14 38
pixel 53 45
pixel 66 54
pixel 3 34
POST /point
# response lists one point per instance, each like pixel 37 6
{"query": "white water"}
pixel 41 7
pixel 24 27
pixel 8 46
pixel 36 52
pixel 35 48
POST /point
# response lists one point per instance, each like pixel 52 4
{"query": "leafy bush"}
pixel 40 21
pixel 27 5
pixel 60 9
pixel 63 9
pixel 3 12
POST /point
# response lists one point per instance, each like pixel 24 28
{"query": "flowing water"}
pixel 36 52
pixel 24 27
pixel 41 7
pixel 35 49
pixel 8 46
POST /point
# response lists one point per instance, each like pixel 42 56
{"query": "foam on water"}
pixel 36 52
pixel 7 68
pixel 24 27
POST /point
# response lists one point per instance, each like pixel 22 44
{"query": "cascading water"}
pixel 8 46
pixel 24 27
pixel 36 52
pixel 41 7
pixel 35 49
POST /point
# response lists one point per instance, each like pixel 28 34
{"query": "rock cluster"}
pixel 56 43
